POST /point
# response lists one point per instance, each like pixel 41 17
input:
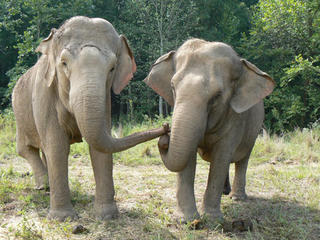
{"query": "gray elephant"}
pixel 66 96
pixel 218 110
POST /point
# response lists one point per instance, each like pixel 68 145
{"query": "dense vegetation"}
pixel 282 37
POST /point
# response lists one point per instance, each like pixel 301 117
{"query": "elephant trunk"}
pixel 188 126
pixel 93 118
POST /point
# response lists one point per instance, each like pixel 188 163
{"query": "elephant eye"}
pixel 64 63
pixel 218 94
pixel 111 70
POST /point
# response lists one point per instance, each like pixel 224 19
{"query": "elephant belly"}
pixel 239 155
pixel 26 128
pixel 243 150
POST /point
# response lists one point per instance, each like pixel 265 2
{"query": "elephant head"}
pixel 83 59
pixel 204 81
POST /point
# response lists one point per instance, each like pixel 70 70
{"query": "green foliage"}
pixel 153 28
pixel 222 20
pixel 7 137
pixel 282 37
pixel 303 78
pixel 284 41
pixel 23 23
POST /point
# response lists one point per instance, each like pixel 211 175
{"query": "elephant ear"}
pixel 47 68
pixel 125 68
pixel 253 85
pixel 159 78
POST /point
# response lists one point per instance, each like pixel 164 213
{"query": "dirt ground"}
pixel 283 203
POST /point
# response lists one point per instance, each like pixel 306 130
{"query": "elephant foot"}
pixel 188 218
pixel 42 182
pixel 194 224
pixel 214 217
pixel 106 211
pixel 62 214
pixel 238 196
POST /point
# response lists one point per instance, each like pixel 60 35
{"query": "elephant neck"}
pixel 67 121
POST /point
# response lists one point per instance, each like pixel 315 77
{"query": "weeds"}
pixel 282 185
pixel 27 230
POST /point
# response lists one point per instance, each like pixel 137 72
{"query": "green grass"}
pixel 301 147
pixel 7 136
pixel 283 185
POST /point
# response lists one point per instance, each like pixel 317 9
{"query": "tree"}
pixel 12 21
pixel 155 27
pixel 284 41
pixel 222 20
pixel 23 23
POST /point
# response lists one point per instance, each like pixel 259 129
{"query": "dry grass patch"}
pixel 283 189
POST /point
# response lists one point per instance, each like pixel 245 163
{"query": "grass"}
pixel 283 187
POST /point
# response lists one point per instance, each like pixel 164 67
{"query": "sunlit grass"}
pixel 300 146
pixel 7 136
pixel 282 185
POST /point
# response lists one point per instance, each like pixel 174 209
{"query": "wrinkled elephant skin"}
pixel 218 111
pixel 65 97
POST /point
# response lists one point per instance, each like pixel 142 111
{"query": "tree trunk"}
pixel 160 106
pixel 160 28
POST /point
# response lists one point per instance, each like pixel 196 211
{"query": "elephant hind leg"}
pixel 238 192
pixel 31 154
pixel 227 187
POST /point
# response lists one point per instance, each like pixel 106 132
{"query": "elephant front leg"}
pixel 105 206
pixel 219 168
pixel 57 153
pixel 185 192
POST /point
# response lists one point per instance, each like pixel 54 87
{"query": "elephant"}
pixel 65 97
pixel 218 112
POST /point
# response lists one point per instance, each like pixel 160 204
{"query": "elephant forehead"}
pixel 89 25
pixel 92 31
pixel 192 63
pixel 202 50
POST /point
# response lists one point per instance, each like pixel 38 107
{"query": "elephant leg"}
pixel 185 192
pixel 105 206
pixel 57 151
pixel 227 187
pixel 31 154
pixel 219 168
pixel 239 183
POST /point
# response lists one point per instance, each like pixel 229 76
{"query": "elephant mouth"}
pixel 204 153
